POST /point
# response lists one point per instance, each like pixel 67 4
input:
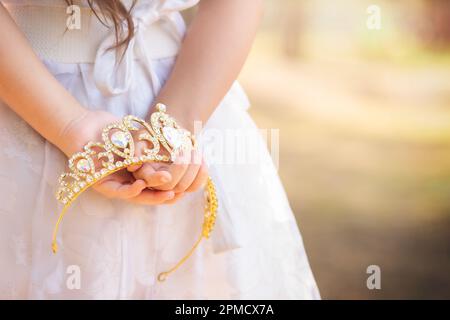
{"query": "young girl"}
pixel 69 68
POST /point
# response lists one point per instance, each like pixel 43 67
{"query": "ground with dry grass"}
pixel 365 159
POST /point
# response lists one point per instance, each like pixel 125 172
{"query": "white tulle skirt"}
pixel 256 251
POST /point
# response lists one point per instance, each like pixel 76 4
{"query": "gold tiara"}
pixel 117 152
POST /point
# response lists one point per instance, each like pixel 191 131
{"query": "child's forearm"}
pixel 29 89
pixel 212 55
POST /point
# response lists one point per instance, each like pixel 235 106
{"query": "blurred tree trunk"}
pixel 291 28
pixel 436 24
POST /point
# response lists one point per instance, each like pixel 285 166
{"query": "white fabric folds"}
pixel 255 252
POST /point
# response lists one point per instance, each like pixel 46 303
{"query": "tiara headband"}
pixel 117 151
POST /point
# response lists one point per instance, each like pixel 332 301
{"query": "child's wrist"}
pixel 84 127
pixel 65 140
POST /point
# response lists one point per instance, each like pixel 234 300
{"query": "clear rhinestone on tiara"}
pixel 119 139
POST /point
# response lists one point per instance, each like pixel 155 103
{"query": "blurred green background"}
pixel 364 119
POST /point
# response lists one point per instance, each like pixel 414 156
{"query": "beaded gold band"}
pixel 117 152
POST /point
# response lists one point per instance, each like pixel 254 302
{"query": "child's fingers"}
pixel 200 179
pixel 113 188
pixel 134 167
pixel 194 163
pixel 177 169
pixel 176 172
pixel 188 178
pixel 152 197
pixel 177 197
pixel 152 177
pixel 126 191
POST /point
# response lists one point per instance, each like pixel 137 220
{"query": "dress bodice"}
pixel 159 29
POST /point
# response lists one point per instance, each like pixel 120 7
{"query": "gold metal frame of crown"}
pixel 117 152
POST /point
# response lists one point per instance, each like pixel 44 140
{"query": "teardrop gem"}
pixel 174 136
pixel 83 165
pixel 120 139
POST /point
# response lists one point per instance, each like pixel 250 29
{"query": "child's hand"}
pixel 187 174
pixel 122 184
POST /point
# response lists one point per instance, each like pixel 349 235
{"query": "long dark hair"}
pixel 114 11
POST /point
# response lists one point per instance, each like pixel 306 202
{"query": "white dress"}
pixel 255 251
